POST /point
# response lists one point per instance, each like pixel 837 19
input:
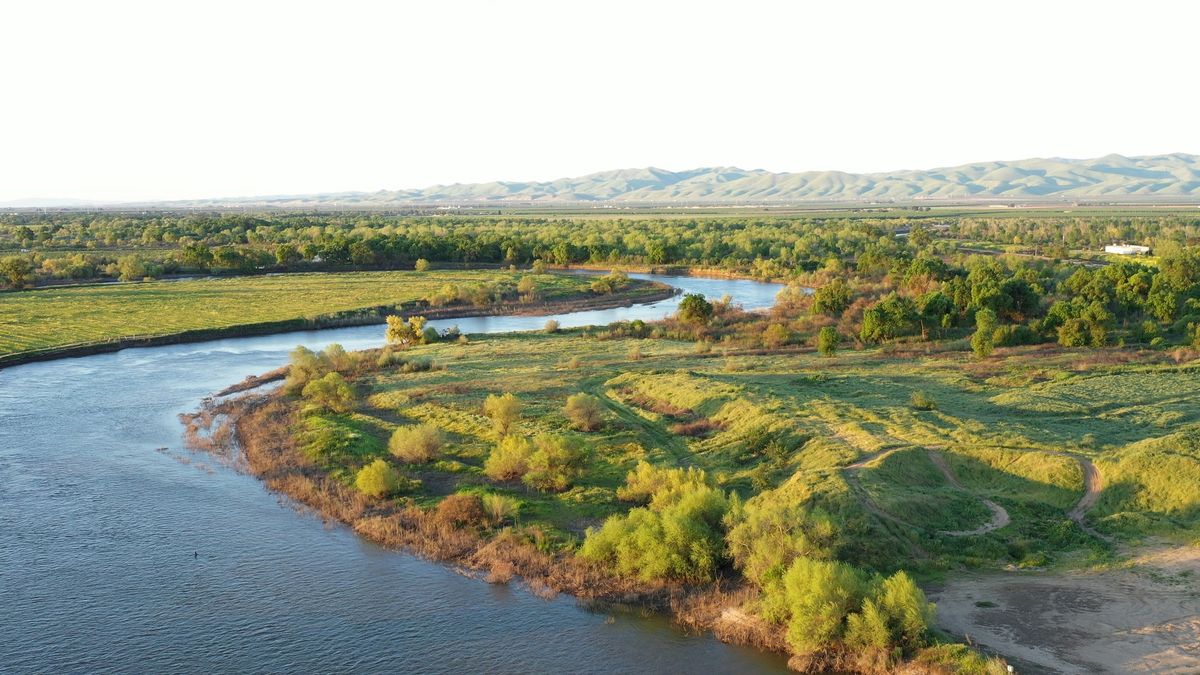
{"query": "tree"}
pixel 889 318
pixel 585 411
pixel 131 268
pixel 287 255
pixel 827 341
pixel 694 309
pixel 404 333
pixel 17 271
pixel 833 298
pixel 776 335
pixel 331 392
pixel 504 411
pixel 421 265
pixel 983 341
pixel 1073 333
pixel 378 479
pixel 416 443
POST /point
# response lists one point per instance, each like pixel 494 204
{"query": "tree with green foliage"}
pixel 331 392
pixel 982 342
pixel 503 411
pixel 832 299
pixel 891 317
pixel 769 531
pixel 17 271
pixel 827 341
pixel 403 332
pixel 378 479
pixel 694 309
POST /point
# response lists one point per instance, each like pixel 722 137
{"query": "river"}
pixel 122 552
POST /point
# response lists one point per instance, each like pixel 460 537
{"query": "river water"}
pixel 121 552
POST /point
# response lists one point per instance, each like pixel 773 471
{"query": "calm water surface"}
pixel 119 556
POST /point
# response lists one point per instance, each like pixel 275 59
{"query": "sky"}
pixel 125 101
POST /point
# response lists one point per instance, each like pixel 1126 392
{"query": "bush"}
pixel 551 326
pixel 776 335
pixel 647 480
pixel 676 538
pixel 460 510
pixel 555 462
pixel 694 309
pixel 585 411
pixel 509 459
pixel 378 479
pixel 504 411
pixel 305 366
pixel 919 400
pixel 827 341
pixel 500 508
pixel 421 265
pixel 416 443
pixel 331 392
pixel 767 534
pixel 982 342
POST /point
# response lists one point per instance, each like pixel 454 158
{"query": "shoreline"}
pixel 642 293
pixel 251 434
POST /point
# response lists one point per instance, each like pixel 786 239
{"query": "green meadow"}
pixel 57 317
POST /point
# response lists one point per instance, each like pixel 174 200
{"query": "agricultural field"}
pixel 57 317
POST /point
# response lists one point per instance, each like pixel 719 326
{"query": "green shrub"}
pixel 509 459
pixel 982 342
pixel 827 341
pixel 331 392
pixel 556 461
pixel 416 443
pixel 646 481
pixel 585 412
pixel 919 400
pixel 680 538
pixel 694 309
pixel 820 595
pixel 421 265
pixel 500 508
pixel 767 533
pixel 504 411
pixel 378 479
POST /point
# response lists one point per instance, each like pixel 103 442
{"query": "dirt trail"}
pixel 1093 485
pixel 999 514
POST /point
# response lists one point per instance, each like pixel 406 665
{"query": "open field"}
pixel 53 318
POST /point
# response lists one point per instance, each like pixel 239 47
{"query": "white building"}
pixel 1126 249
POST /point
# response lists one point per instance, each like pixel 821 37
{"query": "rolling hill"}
pixel 1173 177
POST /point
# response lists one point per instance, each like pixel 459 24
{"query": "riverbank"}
pixel 636 292
pixel 255 434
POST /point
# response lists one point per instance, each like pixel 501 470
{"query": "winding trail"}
pixel 1000 516
pixel 1093 484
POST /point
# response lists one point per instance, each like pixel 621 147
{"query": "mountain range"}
pixel 1173 177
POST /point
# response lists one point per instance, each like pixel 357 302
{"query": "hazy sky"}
pixel 155 100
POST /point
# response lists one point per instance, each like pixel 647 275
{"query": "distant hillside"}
pixel 1113 177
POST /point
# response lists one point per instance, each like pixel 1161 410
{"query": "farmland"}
pixel 52 318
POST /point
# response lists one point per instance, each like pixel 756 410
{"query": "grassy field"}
pixel 56 317
pixel 838 434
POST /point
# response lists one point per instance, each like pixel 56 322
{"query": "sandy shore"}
pixel 1142 618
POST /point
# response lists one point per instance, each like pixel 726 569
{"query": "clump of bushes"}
pixel 416 443
pixel 378 479
pixel 549 462
pixel 585 412
pixel 679 536
pixel 306 365
pixel 646 481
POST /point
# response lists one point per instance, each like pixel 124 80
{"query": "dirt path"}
pixel 1093 483
pixel 1144 619
pixel 999 515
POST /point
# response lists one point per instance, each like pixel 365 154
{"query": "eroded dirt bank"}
pixel 1142 618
